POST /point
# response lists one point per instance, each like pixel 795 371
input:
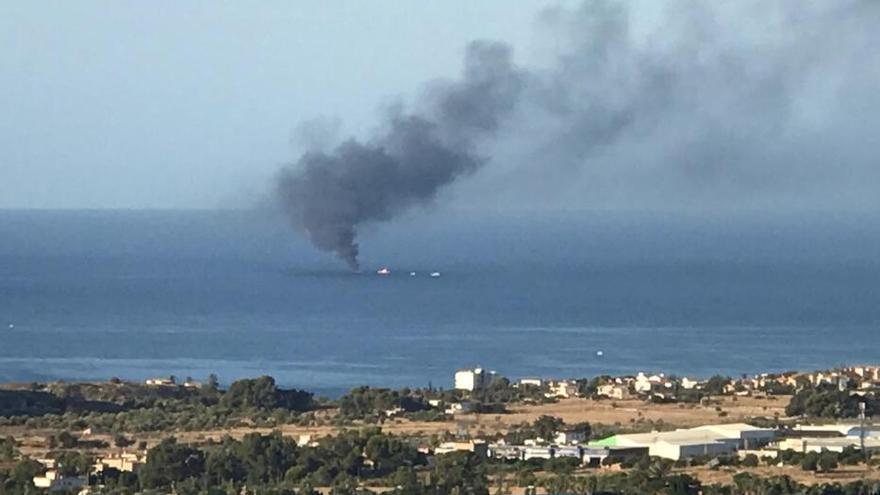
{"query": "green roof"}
pixel 606 442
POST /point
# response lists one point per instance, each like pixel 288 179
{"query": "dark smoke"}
pixel 331 194
pixel 732 105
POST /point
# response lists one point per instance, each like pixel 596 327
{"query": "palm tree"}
pixel 658 470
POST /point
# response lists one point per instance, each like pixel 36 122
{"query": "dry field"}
pixel 624 413
pixel 844 474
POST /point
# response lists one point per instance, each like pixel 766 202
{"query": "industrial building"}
pixel 708 440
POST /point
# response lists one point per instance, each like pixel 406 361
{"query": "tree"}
pixel 261 393
pixel 64 440
pixel 716 384
pixel 810 462
pixel 266 458
pixel 26 469
pixel 365 401
pixel 389 453
pixel 223 464
pixel 74 463
pixel 827 461
pixel 547 426
pixel 8 449
pixel 170 462
pixel 458 472
pixel 122 441
pixel 213 384
pixel 256 393
pixel 828 402
pixel 750 460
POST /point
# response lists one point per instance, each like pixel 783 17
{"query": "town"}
pixel 814 426
pixel 701 441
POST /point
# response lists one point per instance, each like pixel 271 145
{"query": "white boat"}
pixel 435 274
pixel 412 274
pixel 383 271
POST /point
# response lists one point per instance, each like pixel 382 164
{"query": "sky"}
pixel 196 104
pixel 641 105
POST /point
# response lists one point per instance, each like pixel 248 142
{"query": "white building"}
pixel 688 384
pixel 534 382
pixel 844 429
pixel 462 407
pixel 474 379
pixel 747 436
pixel 572 437
pixel 574 452
pixel 478 447
pixel 123 462
pixel 821 444
pixel 562 389
pixel 537 453
pixel 613 391
pixel 161 382
pixel 644 384
pixel 687 446
pixel 56 482
pixel 707 440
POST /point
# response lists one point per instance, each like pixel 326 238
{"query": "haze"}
pixel 629 105
pixel 194 104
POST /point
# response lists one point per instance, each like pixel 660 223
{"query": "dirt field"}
pixel 623 413
pixel 844 474
pixel 607 412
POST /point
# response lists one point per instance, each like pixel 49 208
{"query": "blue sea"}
pixel 133 294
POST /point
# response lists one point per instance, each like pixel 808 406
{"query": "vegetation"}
pixel 8 449
pixel 827 401
pixel 545 427
pixel 262 394
pixel 366 402
pixel 119 407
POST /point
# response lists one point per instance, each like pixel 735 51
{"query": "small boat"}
pixel 383 271
pixel 435 274
pixel 412 274
pixel 600 353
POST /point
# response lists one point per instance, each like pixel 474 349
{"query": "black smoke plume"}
pixel 720 105
pixel 331 194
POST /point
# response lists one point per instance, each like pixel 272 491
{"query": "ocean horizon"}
pixel 90 295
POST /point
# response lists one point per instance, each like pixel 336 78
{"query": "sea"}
pixel 90 295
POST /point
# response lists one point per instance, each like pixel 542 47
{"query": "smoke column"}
pixel 331 194
pixel 719 105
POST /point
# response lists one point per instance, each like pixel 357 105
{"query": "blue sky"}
pixel 182 104
pixel 674 104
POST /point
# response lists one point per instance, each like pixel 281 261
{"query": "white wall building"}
pixel 688 384
pixel 845 429
pixel 462 407
pixel 562 389
pixel 55 482
pixel 820 444
pixel 569 437
pixel 474 379
pixel 707 440
pixel 478 447
pixel 535 382
pixel 613 391
pixel 537 453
